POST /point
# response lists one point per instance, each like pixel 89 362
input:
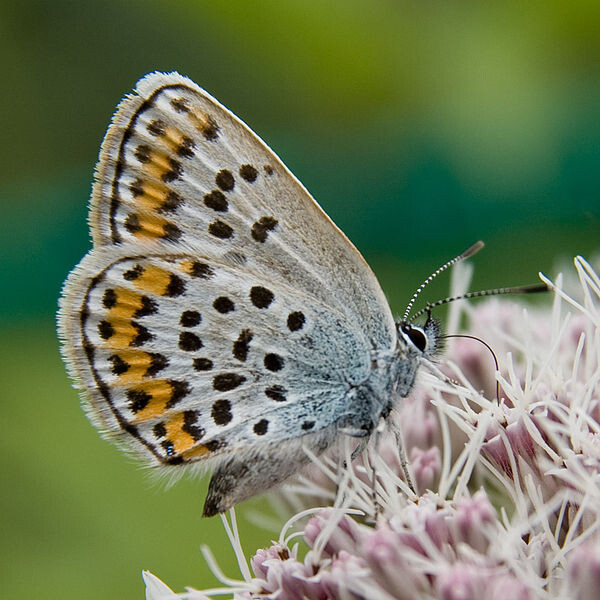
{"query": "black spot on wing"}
pixel 142 335
pixel 175 171
pixel 224 179
pixel 179 390
pixel 149 307
pixel 227 381
pixel 242 345
pixel 273 362
pixel 109 299
pixel 119 366
pixel 203 364
pixel 176 286
pixel 202 270
pixel 157 128
pixel 276 392
pixel 171 232
pixel 105 330
pixel 249 173
pixel 190 417
pixel 261 228
pixel 220 230
pixel 138 400
pixel 158 362
pixel 186 147
pixel 133 273
pixel 181 105
pixel 295 320
pixel 261 427
pixel 261 297
pixel 221 412
pixel 132 223
pixel 223 305
pixel 143 153
pixel 216 200
pixel 189 342
pixel 171 202
pixel 190 318
pixel 159 430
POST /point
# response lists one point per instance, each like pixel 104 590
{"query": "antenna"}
pixel 474 337
pixel 523 289
pixel 476 247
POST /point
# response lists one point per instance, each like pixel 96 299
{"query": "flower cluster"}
pixel 505 468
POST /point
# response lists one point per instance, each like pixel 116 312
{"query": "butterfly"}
pixel 221 318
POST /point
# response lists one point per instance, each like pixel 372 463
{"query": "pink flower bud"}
pixel 584 572
pixel 346 535
pixel 460 582
pixel 471 518
pixel 384 553
pixel 426 466
pixel 260 561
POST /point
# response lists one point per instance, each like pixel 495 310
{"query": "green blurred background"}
pixel 419 126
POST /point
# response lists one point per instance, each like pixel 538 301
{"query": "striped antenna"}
pixel 476 247
pixel 523 289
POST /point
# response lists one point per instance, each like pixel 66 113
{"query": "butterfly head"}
pixel 423 340
pixel 414 343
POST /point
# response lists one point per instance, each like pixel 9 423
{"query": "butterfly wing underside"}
pixel 220 310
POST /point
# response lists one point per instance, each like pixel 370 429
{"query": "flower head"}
pixel 507 501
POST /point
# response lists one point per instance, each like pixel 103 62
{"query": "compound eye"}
pixel 416 335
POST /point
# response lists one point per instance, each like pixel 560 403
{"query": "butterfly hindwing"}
pixel 190 356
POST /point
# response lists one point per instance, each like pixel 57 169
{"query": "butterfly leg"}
pixel 377 437
pixel 402 455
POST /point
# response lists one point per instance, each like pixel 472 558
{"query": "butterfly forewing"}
pixel 177 167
